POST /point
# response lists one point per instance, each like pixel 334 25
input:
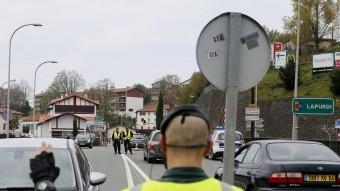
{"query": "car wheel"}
pixel 250 188
pixel 144 155
pixel 90 146
pixel 148 158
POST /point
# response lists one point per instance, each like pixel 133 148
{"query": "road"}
pixel 104 160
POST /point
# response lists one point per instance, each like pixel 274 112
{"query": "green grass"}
pixel 317 85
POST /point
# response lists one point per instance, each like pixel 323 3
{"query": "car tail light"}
pixel 278 178
pixel 283 178
pixel 152 146
pixel 338 179
pixel 294 178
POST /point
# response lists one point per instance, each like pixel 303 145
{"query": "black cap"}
pixel 183 110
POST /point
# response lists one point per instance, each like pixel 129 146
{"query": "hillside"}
pixel 317 85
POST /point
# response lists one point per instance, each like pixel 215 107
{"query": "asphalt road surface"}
pixel 128 170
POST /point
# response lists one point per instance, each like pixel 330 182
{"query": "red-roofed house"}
pixel 146 117
pixel 63 111
pixel 128 101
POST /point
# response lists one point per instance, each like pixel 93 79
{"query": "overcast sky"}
pixel 128 41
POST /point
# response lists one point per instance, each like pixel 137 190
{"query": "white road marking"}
pixel 128 172
pixel 140 171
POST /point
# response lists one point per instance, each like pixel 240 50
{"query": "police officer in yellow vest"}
pixel 184 143
pixel 116 138
pixel 127 137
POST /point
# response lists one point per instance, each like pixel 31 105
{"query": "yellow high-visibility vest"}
pixel 127 135
pixel 209 184
pixel 116 135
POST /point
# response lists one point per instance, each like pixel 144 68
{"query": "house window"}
pixel 4 126
pixel 142 113
pixel 142 119
pixel 131 110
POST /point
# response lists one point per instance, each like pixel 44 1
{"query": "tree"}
pixel 318 19
pixel 276 36
pixel 191 92
pixel 75 128
pixel 66 82
pixel 335 82
pixel 146 91
pixel 19 97
pixel 160 111
pixel 287 75
pixel 101 92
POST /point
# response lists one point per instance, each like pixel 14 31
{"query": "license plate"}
pixel 320 178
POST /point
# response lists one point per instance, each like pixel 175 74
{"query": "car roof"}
pixel 268 141
pixel 34 142
pixel 222 131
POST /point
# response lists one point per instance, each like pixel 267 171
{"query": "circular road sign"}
pixel 212 52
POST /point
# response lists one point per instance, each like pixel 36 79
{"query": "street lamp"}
pixel 35 79
pixel 9 72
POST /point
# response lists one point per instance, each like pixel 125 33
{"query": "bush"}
pixel 335 82
pixel 287 75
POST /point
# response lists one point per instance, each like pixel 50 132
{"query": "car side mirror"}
pixel 236 163
pixel 97 178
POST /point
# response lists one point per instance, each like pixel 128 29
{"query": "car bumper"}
pixel 84 144
pixel 156 155
pixel 140 145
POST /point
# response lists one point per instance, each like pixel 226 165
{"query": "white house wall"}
pixel 135 104
pixel 150 119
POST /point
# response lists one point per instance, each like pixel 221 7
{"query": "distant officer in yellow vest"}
pixel 116 138
pixel 185 142
pixel 127 137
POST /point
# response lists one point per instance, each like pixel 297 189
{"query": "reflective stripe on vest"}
pixel 116 135
pixel 127 135
pixel 209 184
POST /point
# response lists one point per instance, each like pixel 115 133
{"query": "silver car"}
pixel 76 172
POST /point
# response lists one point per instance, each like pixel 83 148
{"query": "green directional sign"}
pixel 313 106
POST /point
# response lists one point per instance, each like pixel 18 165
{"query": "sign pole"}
pixel 295 119
pixel 233 67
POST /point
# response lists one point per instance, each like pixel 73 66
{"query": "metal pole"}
pixel 233 64
pixel 252 123
pixel 295 119
pixel 9 74
pixel 35 81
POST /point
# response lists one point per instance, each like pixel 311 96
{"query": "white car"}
pixel 217 138
pixel 76 173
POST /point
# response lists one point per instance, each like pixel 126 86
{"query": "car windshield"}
pixel 14 167
pixel 138 136
pixel 237 137
pixel 156 137
pixel 300 152
pixel 81 136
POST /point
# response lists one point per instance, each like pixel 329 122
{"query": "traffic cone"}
pixel 136 147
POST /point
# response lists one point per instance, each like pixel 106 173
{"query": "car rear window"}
pixel 156 137
pixel 138 136
pixel 300 152
pixel 237 137
pixel 14 168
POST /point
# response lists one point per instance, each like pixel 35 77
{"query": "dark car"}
pixel 285 165
pixel 137 139
pixel 151 149
pixel 84 140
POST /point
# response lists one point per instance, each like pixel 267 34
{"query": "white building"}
pixel 3 122
pixel 62 114
pixel 146 117
pixel 127 101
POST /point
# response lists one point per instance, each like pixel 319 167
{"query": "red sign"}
pixel 276 47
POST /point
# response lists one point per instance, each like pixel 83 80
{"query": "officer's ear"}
pixel 208 147
pixel 163 144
